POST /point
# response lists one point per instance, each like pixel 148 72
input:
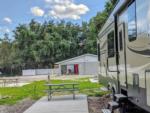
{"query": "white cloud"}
pixel 36 11
pixel 7 20
pixel 66 9
pixel 4 30
pixel 59 1
pixel 7 30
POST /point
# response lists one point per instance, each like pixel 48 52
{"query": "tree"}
pixel 98 21
pixel 5 50
pixel 96 24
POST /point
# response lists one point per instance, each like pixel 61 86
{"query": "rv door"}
pixel 111 59
pixel 122 55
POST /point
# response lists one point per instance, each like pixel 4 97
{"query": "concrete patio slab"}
pixel 60 104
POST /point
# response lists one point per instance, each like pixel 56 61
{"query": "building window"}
pixel 111 45
pixel 132 28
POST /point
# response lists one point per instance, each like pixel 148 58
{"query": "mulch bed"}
pixel 97 103
pixel 17 108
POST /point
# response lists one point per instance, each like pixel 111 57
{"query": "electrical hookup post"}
pixel 51 73
pixel 48 78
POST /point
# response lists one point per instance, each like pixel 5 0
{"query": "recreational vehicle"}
pixel 124 52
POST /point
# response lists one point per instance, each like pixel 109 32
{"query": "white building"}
pixel 86 64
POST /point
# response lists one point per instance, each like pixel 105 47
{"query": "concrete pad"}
pixel 60 104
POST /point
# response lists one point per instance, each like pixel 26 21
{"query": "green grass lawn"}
pixel 35 90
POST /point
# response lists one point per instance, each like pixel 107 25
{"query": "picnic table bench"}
pixel 52 88
pixel 7 81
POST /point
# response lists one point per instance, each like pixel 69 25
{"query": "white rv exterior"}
pixel 124 44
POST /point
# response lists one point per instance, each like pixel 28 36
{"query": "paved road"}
pixel 61 104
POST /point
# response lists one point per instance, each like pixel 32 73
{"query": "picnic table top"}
pixel 8 78
pixel 62 84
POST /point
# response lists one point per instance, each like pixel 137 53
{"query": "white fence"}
pixel 43 71
pixel 33 72
pixel 28 72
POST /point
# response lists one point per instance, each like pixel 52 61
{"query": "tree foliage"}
pixel 98 21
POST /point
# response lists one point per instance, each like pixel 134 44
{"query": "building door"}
pixel 122 55
pixel 147 74
pixel 76 69
pixel 64 69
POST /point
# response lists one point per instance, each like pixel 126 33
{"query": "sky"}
pixel 15 12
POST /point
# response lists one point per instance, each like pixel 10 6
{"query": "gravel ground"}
pixel 29 79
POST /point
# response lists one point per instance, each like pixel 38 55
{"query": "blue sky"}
pixel 14 12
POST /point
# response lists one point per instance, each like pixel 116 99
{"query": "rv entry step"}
pixel 106 111
pixel 113 105
pixel 120 97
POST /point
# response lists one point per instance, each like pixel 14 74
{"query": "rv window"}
pixel 111 45
pixel 132 29
pixel 98 49
pixel 143 17
pixel 135 80
pixel 120 41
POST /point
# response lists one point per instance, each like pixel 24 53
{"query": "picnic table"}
pixel 7 81
pixel 52 88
